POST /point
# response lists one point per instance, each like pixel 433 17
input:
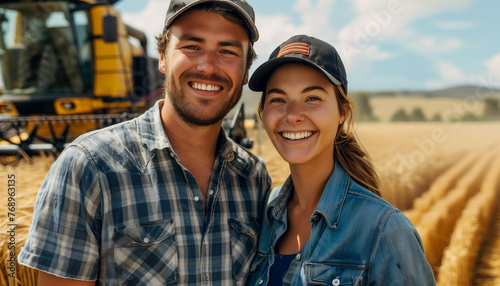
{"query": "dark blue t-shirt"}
pixel 279 268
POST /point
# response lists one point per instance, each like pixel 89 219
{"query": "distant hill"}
pixel 463 91
pixel 460 92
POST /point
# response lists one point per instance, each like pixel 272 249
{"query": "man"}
pixel 164 198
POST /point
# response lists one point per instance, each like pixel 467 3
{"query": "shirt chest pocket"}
pixel 244 237
pixel 146 254
pixel 334 274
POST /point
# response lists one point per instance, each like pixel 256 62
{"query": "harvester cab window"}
pixel 84 44
pixel 38 50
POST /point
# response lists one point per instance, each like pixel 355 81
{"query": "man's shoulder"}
pixel 115 136
pixel 112 136
pixel 113 148
pixel 244 154
pixel 246 160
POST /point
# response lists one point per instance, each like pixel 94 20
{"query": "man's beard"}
pixel 183 107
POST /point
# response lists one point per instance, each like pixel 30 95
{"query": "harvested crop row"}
pixel 459 259
pixel 437 224
pixel 402 181
pixel 440 187
pixel 488 263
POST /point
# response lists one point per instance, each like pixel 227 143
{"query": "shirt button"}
pixel 336 282
pixel 260 281
pixel 146 240
pixel 196 198
pixel 315 217
pixel 172 154
pixel 211 192
pixel 298 257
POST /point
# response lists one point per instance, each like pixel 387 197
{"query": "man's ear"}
pixel 161 62
pixel 246 78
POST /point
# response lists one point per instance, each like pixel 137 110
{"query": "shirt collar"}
pixel 334 195
pixel 153 136
pixel 330 204
pixel 276 208
pixel 150 129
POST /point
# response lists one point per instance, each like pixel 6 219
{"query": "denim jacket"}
pixel 357 238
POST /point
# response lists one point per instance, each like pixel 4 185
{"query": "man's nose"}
pixel 208 63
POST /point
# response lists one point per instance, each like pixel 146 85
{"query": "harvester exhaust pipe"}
pixel 139 35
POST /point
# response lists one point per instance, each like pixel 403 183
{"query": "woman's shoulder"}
pixel 360 196
pixel 361 193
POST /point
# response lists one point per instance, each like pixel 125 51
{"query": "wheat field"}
pixel 444 176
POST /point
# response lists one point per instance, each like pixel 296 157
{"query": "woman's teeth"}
pixel 296 136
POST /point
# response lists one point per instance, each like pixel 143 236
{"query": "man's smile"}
pixel 205 87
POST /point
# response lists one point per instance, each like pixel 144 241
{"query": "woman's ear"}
pixel 345 111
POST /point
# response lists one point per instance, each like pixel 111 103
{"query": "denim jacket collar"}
pixel 153 136
pixel 329 206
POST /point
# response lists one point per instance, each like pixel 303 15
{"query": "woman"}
pixel 327 225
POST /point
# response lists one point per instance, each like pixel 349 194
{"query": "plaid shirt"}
pixel 118 207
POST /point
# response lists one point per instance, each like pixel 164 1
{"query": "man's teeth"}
pixel 206 87
pixel 296 136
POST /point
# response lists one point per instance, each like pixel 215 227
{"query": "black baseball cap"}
pixel 177 7
pixel 302 49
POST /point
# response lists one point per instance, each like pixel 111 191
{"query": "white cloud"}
pixel 373 52
pixel 352 55
pixel 314 16
pixel 433 45
pixel 454 25
pixel 449 72
pixel 493 69
pixel 150 20
pixel 274 30
pixel 378 20
pixel 277 28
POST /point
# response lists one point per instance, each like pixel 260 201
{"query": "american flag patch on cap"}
pixel 294 48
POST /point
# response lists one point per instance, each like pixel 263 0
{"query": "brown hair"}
pixel 222 9
pixel 350 154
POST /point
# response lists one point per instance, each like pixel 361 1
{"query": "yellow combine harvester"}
pixel 68 67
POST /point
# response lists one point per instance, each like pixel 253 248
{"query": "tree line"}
pixel 491 112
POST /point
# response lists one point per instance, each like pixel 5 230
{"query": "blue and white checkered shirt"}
pixel 118 207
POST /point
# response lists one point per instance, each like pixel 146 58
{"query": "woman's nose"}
pixel 294 113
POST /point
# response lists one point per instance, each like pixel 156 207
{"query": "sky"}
pixel 384 44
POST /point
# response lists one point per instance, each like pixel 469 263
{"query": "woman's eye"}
pixel 313 98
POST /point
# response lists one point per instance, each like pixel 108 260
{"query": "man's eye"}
pixel 276 100
pixel 228 52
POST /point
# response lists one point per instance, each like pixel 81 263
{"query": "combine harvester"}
pixel 68 67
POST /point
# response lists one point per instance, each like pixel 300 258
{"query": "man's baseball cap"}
pixel 177 7
pixel 302 49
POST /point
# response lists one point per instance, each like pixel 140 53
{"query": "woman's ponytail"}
pixel 350 153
